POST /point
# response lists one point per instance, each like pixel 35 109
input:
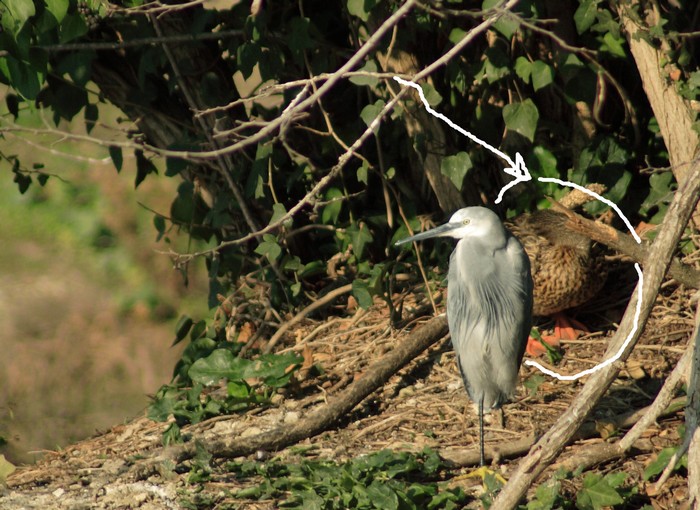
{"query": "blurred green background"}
pixel 87 304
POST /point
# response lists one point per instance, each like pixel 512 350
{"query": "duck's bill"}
pixel 436 232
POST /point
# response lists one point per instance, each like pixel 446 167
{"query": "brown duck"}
pixel 567 270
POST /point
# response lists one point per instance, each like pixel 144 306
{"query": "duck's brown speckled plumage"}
pixel 567 270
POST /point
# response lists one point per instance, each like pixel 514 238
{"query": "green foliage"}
pixel 546 496
pixel 657 466
pixel 601 491
pixel 383 480
pixel 208 360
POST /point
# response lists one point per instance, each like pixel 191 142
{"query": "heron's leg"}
pixel 483 470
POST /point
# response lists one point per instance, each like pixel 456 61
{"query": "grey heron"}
pixel 489 305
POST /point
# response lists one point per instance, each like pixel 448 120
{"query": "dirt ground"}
pixel 423 405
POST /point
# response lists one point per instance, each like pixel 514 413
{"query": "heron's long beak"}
pixel 440 231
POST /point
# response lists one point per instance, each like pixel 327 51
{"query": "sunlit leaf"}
pixel 361 8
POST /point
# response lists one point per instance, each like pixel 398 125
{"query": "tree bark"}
pixel 672 112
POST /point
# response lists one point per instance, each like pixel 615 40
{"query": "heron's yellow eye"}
pixel 466 222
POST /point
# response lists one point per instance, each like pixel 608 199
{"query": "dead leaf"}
pixel 635 370
pixel 352 304
pixel 605 429
pixel 246 332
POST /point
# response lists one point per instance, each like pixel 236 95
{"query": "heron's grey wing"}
pixel 523 285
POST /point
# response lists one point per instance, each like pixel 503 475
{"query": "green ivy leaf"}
pixel 91 116
pixel 369 67
pixel 585 15
pixel 159 224
pixel 545 495
pixel 12 102
pixel 299 39
pixel 456 168
pixel 173 166
pixel 496 66
pixel 24 78
pixel 72 27
pixel 363 173
pixel 279 210
pixel 360 291
pixel 506 26
pixel 238 389
pixel 59 8
pixel 331 212
pixel 522 118
pixel 23 181
pixel 660 192
pixel 456 35
pixel 220 364
pixel 523 68
pixel 382 496
pixel 613 45
pixel 361 8
pixel 662 460
pixel 360 237
pixel 17 12
pixel 371 112
pixel 269 248
pixel 184 325
pixel 431 94
pixel 542 75
pixel 274 369
pixel 248 55
pixel 597 492
pixel 545 164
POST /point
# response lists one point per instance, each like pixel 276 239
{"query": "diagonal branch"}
pixel 624 243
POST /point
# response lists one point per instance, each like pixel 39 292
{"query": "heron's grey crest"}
pixel 489 305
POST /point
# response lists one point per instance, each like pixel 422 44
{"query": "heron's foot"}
pixel 483 472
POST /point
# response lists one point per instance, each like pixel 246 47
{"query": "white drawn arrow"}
pixel 521 173
pixel 517 169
